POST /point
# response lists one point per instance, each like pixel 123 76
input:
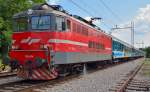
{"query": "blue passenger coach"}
pixel 124 51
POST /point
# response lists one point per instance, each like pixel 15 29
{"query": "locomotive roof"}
pixel 57 9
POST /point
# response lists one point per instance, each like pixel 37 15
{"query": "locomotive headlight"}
pixel 15 47
pixel 30 11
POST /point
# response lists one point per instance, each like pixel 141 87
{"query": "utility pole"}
pixel 132 34
pixel 131 27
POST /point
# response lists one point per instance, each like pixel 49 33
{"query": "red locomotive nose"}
pixel 26 41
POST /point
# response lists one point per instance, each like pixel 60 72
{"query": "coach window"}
pixel 60 24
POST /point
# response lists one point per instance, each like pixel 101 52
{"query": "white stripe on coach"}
pixel 67 42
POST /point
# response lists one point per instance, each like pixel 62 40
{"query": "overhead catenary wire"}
pixel 86 11
pixel 110 10
pixel 92 9
pixel 97 12
pixel 83 9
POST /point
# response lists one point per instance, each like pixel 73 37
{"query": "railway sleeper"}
pixel 144 84
pixel 140 86
pixel 137 89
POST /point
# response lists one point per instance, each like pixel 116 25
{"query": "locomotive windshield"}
pixel 32 23
pixel 40 22
pixel 21 24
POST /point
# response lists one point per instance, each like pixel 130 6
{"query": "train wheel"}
pixel 76 69
pixel 64 70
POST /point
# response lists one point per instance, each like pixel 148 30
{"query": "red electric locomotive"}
pixel 48 42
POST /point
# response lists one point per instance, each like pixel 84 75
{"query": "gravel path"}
pixel 99 81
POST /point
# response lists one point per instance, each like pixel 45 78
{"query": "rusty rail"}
pixel 7 74
pixel 125 84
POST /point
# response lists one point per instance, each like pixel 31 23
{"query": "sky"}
pixel 115 12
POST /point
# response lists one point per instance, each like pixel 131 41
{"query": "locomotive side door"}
pixel 50 56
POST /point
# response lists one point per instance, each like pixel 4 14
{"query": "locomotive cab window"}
pixel 40 22
pixel 21 24
pixel 60 24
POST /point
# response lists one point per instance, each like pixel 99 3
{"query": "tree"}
pixel 147 50
pixel 7 9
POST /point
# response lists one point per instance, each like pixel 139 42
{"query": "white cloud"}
pixel 88 18
pixel 144 14
pixel 53 2
pixel 142 28
pixel 142 21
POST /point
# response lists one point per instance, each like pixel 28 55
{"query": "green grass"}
pixel 146 68
pixel 0 61
pixel 1 64
pixel 3 67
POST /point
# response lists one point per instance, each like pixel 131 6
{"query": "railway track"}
pixel 30 86
pixel 131 84
pixel 138 85
pixel 7 74
pixel 8 77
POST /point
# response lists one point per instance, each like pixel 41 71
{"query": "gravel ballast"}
pixel 99 81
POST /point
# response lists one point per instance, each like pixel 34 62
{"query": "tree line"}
pixel 147 50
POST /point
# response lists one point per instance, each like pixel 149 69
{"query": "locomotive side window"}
pixel 95 45
pixel 60 24
pixel 74 27
pixel 84 30
pixel 68 24
pixel 21 24
pixel 40 22
pixel 78 28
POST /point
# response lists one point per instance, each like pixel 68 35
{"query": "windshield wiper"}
pixel 39 18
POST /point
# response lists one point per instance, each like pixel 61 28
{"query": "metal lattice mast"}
pixel 128 27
